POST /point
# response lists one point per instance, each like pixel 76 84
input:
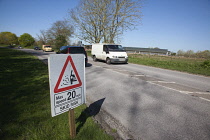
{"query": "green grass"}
pixel 190 65
pixel 4 45
pixel 25 103
pixel 88 53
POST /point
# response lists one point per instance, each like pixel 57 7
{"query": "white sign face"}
pixel 67 82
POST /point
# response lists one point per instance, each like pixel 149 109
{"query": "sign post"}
pixel 67 85
pixel 72 127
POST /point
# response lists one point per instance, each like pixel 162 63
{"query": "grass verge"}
pixel 190 65
pixel 25 103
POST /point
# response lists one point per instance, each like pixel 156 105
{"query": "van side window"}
pixel 105 49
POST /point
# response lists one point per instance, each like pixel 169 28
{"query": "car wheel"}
pixel 108 61
pixel 94 58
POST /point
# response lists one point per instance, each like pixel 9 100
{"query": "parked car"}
pixel 73 50
pixel 36 48
pixel 19 47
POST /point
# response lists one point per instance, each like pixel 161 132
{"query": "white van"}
pixel 111 53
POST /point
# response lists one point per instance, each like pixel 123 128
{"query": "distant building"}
pixel 150 51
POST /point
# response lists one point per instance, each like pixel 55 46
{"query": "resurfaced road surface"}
pixel 150 103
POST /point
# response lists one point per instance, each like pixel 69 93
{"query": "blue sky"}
pixel 167 24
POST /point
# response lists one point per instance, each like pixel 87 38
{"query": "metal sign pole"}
pixel 72 127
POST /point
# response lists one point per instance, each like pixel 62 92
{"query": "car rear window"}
pixel 47 46
pixel 75 50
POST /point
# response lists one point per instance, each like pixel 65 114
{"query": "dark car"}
pixel 73 50
pixel 36 48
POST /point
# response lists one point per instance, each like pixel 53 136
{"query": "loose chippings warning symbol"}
pixel 68 80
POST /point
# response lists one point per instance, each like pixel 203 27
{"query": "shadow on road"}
pixel 88 65
pixel 92 110
pixel 102 61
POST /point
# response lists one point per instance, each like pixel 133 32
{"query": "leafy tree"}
pixel 60 41
pixel 26 40
pixel 190 53
pixel 173 54
pixel 58 29
pixel 203 54
pixel 8 38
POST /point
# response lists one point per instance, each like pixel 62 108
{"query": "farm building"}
pixel 152 51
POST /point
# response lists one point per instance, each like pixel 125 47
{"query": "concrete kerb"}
pixel 111 125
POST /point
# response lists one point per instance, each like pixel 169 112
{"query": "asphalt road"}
pixel 149 103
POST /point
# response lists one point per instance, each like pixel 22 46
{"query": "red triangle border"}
pixel 56 90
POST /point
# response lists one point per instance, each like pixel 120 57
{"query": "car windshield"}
pixel 117 48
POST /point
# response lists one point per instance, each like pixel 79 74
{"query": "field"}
pixel 25 103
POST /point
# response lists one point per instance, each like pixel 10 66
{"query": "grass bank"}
pixel 25 103
pixel 190 65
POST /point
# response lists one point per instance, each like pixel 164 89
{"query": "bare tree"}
pixel 189 53
pixel 42 38
pixel 103 20
pixel 88 20
pixel 181 53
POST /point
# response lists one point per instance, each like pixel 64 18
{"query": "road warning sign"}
pixel 67 82
pixel 68 78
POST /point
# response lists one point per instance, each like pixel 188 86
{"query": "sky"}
pixel 166 24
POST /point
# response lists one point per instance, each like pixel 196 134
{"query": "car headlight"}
pixel 114 56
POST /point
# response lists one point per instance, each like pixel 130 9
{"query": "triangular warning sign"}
pixel 69 77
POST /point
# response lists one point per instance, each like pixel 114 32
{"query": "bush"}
pixel 206 64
